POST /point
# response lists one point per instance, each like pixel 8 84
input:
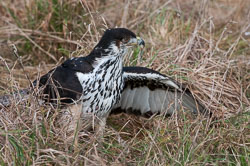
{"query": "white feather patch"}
pixel 145 100
pixel 125 97
pixel 130 99
pixel 140 99
pixel 171 83
pixel 82 77
pixel 152 102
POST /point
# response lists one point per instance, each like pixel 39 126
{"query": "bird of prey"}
pixel 100 84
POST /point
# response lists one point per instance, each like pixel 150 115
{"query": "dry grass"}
pixel 204 44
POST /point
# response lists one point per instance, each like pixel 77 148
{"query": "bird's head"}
pixel 119 39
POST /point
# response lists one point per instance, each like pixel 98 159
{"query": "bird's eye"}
pixel 125 40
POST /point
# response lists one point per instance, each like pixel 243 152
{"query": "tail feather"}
pixel 7 100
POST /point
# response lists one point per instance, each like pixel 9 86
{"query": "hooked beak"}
pixel 140 42
pixel 137 41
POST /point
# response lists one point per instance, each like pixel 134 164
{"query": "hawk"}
pixel 100 84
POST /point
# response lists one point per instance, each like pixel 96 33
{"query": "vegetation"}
pixel 205 44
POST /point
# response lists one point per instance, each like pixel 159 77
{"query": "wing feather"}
pixel 125 97
pixel 141 96
pixel 130 99
pixel 147 91
pixel 157 99
pixel 152 102
pixel 136 99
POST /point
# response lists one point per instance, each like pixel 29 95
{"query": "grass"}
pixel 199 43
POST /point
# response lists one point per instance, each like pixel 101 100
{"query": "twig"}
pixel 22 66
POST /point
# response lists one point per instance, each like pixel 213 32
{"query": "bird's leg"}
pixel 71 122
pixel 100 127
pixel 97 139
pixel 77 124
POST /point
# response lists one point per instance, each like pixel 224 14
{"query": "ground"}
pixel 204 44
